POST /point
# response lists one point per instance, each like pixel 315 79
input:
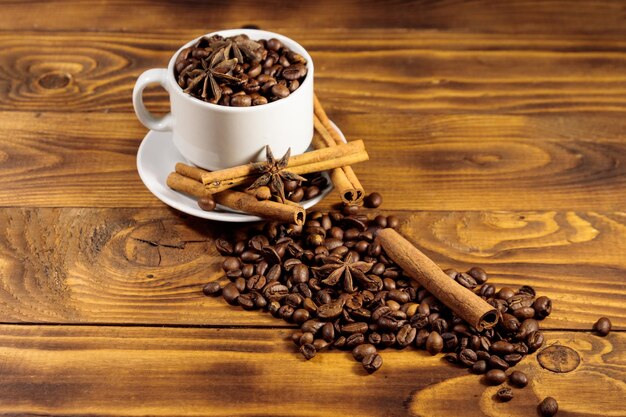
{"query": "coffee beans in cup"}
pixel 238 71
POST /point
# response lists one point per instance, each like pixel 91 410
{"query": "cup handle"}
pixel 151 76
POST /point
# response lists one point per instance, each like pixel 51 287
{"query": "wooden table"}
pixel 497 132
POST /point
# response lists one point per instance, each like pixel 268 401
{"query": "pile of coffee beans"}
pixel 239 72
pixel 333 279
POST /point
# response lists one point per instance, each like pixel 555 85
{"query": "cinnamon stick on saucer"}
pixel 286 213
pixel 354 193
pixel 467 305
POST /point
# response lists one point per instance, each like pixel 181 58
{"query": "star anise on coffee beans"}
pixel 239 46
pixel 273 174
pixel 216 67
pixel 345 271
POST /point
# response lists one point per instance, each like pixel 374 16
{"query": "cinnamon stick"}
pixel 285 213
pixel 339 176
pixel 467 305
pixel 307 158
pixel 349 195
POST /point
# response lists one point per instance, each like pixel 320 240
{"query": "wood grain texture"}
pixel 114 371
pixel 148 266
pixel 368 70
pixel 438 162
pixel 515 16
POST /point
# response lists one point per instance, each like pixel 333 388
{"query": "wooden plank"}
pixel 368 70
pixel 515 16
pixel 437 162
pixel 111 371
pixel 148 266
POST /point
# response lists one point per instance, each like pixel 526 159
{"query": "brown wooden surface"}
pixel 501 124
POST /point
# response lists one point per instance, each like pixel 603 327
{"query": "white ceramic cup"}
pixel 216 137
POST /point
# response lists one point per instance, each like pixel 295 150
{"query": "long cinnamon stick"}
pixel 357 191
pixel 347 191
pixel 467 305
pixel 307 158
pixel 286 213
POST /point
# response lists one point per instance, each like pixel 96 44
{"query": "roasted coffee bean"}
pixel 528 326
pixel 330 310
pixel 393 222
pixel 450 341
pixel 504 394
pixel 534 341
pixel 362 351
pixel 466 280
pixel 548 407
pixel 230 293
pixel 543 307
pixel 312 326
pixel 224 247
pixel 519 301
pixel 406 335
pixel 483 355
pixel 487 291
pixel 212 288
pixel 328 332
pixel 372 363
pixel 300 315
pixel 434 343
pixel 307 337
pixel 308 351
pixel 420 338
pixel 246 301
pixel 320 344
pixel 256 282
pixel 479 367
pixel 501 347
pixel 207 203
pixel 260 301
pixel 241 101
pixel 240 283
pixel 479 275
pixel 439 325
pixel 509 323
pixel 340 342
pixel 230 263
pixel 247 270
pixel 513 358
pixel 354 340
pixel 388 339
pixel 495 377
pixel 356 327
pixel 285 312
pixel 496 362
pixel 373 200
pixel 505 293
pixel 273 307
pixel 518 379
pixel 467 357
pixel 293 300
pixel 602 327
pixel 525 289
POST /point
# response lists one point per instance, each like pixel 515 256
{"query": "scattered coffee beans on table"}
pixel 603 326
pixel 333 279
pixel 548 407
pixel 238 71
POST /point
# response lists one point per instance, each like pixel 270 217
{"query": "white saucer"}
pixel 157 157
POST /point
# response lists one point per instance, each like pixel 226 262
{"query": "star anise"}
pixel 216 67
pixel 346 271
pixel 239 46
pixel 273 174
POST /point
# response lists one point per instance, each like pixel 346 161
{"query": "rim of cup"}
pixel 254 34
